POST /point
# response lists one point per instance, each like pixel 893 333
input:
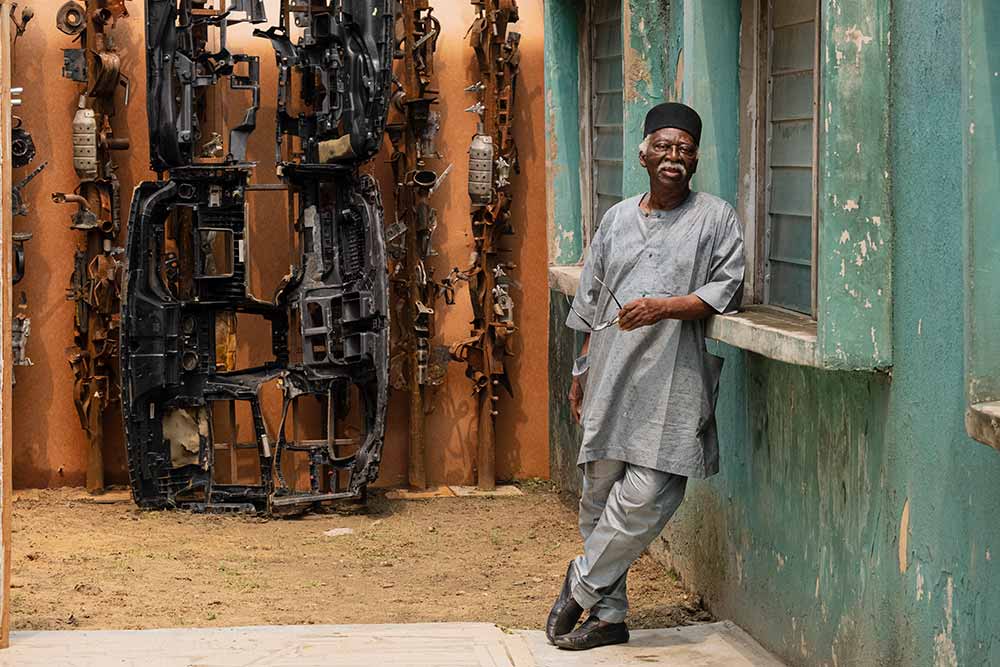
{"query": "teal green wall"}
pixel 564 432
pixel 711 77
pixel 802 538
pixel 853 521
pixel 562 132
pixel 645 80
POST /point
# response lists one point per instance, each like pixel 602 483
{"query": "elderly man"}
pixel 644 388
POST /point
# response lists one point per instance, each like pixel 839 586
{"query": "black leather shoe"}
pixel 591 634
pixel 565 612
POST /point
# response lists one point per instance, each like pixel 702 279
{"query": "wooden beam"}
pixel 6 310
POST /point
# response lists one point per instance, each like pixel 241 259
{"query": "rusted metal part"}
pixel 413 131
pixel 188 267
pixel 22 154
pixel 95 285
pixel 492 160
pixel 20 331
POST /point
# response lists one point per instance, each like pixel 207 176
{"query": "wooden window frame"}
pixel 762 147
pixel 588 101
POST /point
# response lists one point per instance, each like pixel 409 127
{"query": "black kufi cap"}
pixel 673 114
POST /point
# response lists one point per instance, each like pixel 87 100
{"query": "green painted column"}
pixel 562 131
pixel 711 86
pixel 645 33
pixel 981 139
pixel 855 220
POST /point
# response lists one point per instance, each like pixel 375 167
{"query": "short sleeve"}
pixel 724 289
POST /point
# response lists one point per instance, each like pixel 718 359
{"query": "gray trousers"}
pixel 622 509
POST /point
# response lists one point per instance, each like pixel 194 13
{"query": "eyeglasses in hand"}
pixel 603 325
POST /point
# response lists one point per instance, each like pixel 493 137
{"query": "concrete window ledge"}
pixel 565 279
pixel 982 422
pixel 768 331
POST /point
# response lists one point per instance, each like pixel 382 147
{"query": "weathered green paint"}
pixel 674 66
pixel 781 541
pixel 855 220
pixel 562 131
pixel 981 132
pixel 565 434
pixel 854 522
pixel 645 82
pixel 711 87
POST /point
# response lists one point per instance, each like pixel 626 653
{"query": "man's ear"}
pixel 694 167
pixel 642 159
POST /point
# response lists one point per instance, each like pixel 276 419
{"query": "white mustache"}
pixel 676 165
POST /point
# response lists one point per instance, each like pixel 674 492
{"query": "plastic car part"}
pixel 492 158
pixel 181 66
pixel 337 294
pixel 186 275
pixel 182 393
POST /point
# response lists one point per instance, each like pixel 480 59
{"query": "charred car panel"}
pixel 187 265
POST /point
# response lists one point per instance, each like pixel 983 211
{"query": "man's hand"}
pixel 649 310
pixel 575 399
pixel 643 312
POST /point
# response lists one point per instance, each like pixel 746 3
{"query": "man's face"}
pixel 671 157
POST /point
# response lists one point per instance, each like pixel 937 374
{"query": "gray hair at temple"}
pixel 644 145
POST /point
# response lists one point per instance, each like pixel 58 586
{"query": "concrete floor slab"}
pixel 411 645
pixel 709 645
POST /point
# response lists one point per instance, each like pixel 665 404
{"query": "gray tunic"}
pixel 649 397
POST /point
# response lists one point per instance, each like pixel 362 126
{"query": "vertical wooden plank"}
pixel 586 127
pixel 814 280
pixel 6 291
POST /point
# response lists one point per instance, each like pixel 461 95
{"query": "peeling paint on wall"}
pixel 854 155
pixel 678 92
pixel 904 537
pixel 562 133
pixel 944 646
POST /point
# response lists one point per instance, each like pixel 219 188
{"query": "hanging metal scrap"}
pixel 413 130
pixel 95 284
pixel 492 159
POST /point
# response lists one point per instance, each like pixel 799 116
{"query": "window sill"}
pixel 765 330
pixel 982 423
pixel 768 331
pixel 565 279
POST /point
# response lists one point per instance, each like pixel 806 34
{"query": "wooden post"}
pixel 6 310
pixel 486 475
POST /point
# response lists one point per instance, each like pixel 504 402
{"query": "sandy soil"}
pixel 79 564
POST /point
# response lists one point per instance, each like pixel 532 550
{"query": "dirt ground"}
pixel 80 564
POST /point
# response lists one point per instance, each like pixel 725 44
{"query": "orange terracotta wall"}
pixel 50 446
